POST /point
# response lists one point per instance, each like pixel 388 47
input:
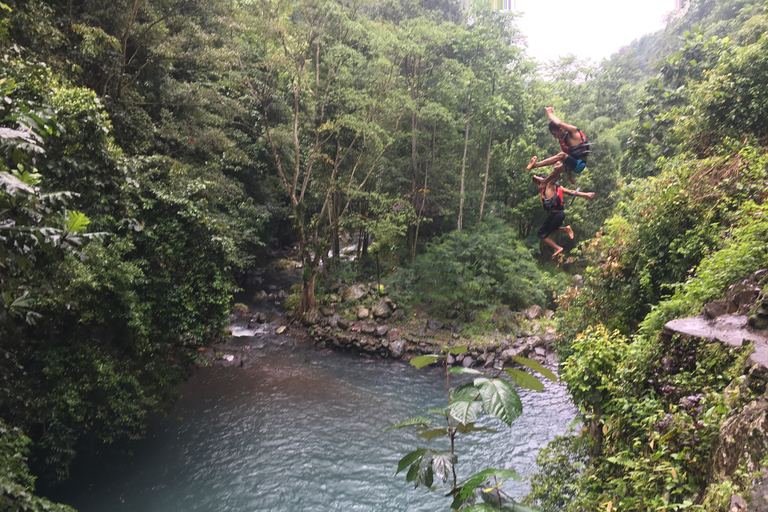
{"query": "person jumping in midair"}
pixel 552 201
pixel 574 144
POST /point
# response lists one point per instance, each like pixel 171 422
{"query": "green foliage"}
pixel 466 403
pixel 477 267
pixel 732 100
pixel 17 485
pixel 558 481
pixel 591 364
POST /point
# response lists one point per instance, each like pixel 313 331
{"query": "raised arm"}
pixel 588 195
pixel 557 121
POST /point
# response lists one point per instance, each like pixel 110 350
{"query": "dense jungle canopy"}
pixel 152 152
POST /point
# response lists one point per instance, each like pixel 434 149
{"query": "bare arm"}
pixel 552 117
pixel 589 195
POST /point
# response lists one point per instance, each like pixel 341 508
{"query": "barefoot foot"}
pixel 533 162
pixel 557 251
pixel 569 231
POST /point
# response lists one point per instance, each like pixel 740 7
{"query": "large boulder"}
pixel 397 349
pixel 382 309
pixel 534 312
pixel 355 292
pixel 434 324
pixel 742 441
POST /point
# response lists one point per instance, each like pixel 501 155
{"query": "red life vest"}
pixel 580 151
pixel 555 202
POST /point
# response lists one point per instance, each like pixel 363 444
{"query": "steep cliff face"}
pixel 741 448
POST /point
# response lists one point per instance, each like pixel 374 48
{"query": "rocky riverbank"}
pixel 360 319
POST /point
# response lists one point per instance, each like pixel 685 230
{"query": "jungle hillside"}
pixel 153 153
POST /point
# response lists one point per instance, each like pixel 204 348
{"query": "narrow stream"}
pixel 297 430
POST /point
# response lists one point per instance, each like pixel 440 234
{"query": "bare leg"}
pixel 566 229
pixel 553 245
pixel 554 175
pixel 548 161
pixel 571 178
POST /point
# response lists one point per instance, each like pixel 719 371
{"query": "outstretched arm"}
pixel 588 195
pixel 557 121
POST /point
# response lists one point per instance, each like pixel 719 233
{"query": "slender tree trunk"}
pixel 464 165
pixel 423 198
pixel 487 168
pixel 596 433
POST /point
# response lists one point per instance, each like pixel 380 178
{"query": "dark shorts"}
pixel 553 221
pixel 574 165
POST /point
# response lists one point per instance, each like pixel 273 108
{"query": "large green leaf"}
pixel 524 380
pixel 422 361
pixel 465 411
pixel 457 350
pixel 465 392
pixel 433 433
pixel 500 399
pixel 410 459
pixel 410 422
pixel 535 366
pixel 466 428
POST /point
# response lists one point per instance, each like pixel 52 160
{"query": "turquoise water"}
pixel 294 430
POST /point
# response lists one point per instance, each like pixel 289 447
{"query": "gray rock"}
pixel 397 349
pixel 382 330
pixel 343 323
pixel 381 309
pixel 450 359
pixel 715 309
pixel 742 441
pixel 534 312
pixel 363 313
pixel 454 327
pixel 758 322
pixel 334 321
pixel 327 311
pixel 453 313
pixel 513 352
pixel 467 362
pixel 540 351
pixel 260 296
pixel 368 328
pixel 434 324
pixel 355 292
